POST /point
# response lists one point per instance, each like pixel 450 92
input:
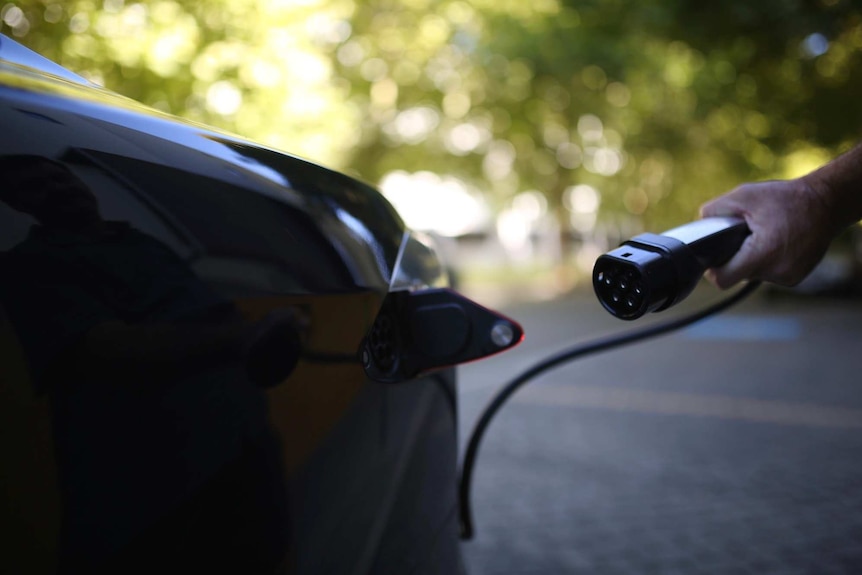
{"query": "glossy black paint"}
pixel 353 234
pixel 142 291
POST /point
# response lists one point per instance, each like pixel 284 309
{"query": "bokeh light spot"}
pixel 223 98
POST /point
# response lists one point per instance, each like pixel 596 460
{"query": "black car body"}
pixel 369 466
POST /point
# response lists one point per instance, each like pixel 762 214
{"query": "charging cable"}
pixel 562 357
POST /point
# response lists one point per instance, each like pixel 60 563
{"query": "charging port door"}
pixel 419 331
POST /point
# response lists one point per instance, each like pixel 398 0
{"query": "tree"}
pixel 654 104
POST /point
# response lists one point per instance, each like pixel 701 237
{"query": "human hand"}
pixel 791 228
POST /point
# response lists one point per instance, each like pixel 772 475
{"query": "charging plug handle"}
pixel 652 272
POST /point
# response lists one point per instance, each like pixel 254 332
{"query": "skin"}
pixel 792 222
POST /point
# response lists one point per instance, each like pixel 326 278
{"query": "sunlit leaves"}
pixel 654 105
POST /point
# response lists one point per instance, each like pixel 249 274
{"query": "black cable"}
pixel 564 356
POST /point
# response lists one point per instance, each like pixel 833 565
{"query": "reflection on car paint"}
pixel 262 232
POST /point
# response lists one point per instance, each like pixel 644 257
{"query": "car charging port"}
pixel 382 347
pixel 420 331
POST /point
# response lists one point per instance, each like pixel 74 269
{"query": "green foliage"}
pixel 657 104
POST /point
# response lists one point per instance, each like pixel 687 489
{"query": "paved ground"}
pixel 733 447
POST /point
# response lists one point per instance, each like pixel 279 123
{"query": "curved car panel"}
pixel 145 245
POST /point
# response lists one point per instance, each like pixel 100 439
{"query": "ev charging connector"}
pixel 652 272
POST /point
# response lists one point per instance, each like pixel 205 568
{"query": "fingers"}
pixel 732 203
pixel 740 267
pixel 715 209
pixel 743 265
pixel 790 231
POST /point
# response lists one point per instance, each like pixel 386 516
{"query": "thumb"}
pixel 720 207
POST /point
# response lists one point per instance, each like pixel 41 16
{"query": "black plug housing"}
pixel 419 331
pixel 652 272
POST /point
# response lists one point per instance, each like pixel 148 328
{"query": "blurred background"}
pixel 528 136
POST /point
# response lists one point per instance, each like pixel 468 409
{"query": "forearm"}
pixel 839 185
